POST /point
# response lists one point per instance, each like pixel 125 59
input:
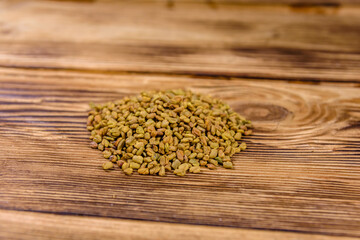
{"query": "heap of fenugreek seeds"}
pixel 172 131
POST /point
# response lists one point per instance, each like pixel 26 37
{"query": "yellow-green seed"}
pixel 176 164
pixel 108 165
pixel 97 139
pixel 242 146
pixel 128 171
pixel 138 159
pixel 213 153
pixel 228 165
pixel 195 169
pixel 106 154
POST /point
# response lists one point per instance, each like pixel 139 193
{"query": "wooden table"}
pixel 292 67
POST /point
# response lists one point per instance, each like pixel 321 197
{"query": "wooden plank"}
pixel 301 171
pixel 28 225
pixel 263 42
pixel 214 3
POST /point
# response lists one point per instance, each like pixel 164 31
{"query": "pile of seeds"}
pixel 172 131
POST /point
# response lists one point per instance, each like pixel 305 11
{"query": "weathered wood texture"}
pixel 26 225
pixel 294 42
pixel 301 171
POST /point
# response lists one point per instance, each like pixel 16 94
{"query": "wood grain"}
pixel 27 225
pixel 296 42
pixel 300 173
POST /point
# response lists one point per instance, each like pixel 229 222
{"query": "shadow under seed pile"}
pixel 173 131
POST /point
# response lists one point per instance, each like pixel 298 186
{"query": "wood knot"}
pixel 261 112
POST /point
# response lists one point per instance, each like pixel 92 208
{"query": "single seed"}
pixel 106 154
pixel 143 171
pixel 93 145
pixel 113 158
pixel 134 165
pixel 108 165
pixel 120 163
pixel 128 171
pixel 138 159
pixel 210 166
pixel 213 153
pixel 228 165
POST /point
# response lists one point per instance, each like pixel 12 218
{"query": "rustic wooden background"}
pixel 293 67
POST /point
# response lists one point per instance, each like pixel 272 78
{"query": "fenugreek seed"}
pixel 147 159
pixel 214 162
pixel 228 150
pixel 147 136
pixel 130 149
pixel 154 170
pixel 178 135
pixel 130 140
pixel 203 140
pixel 125 166
pixel 138 145
pixel 195 169
pixel 168 167
pixel 128 171
pixel 228 165
pixel 226 158
pixel 113 158
pixel 101 147
pixel 97 139
pixel 93 145
pixel 192 155
pixel 219 160
pixel 180 155
pixel 221 154
pixel 194 162
pixel 242 146
pixel 214 145
pixel 120 163
pixel 121 144
pixel 213 153
pixel 179 172
pixel 162 160
pixel 162 171
pixel 143 171
pixel 203 163
pixel 211 166
pixel 248 132
pixel 173 148
pixel 106 154
pixel 237 136
pixel 152 164
pixel 134 165
pixel 139 130
pixel 184 167
pixel 207 150
pixel 200 155
pixel 125 129
pixel 140 151
pixel 175 164
pixel 108 165
pixel 171 156
pixel 156 156
pixel 138 159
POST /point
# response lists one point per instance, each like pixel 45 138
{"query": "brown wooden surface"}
pixel 23 225
pixel 271 42
pixel 299 178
